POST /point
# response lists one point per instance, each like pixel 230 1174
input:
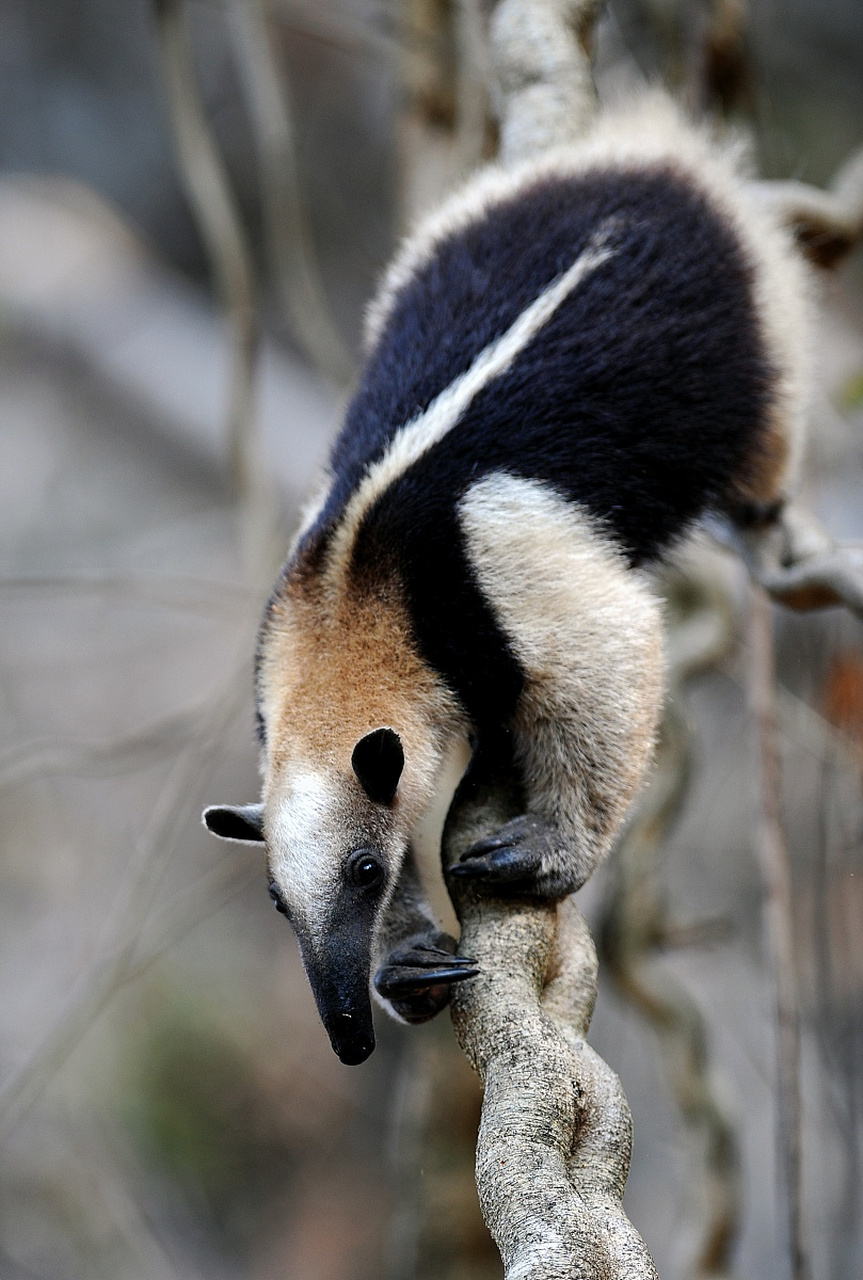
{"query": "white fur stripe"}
pixel 444 412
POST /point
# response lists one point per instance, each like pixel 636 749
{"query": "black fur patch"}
pixel 454 626
pixel 640 399
pixel 642 395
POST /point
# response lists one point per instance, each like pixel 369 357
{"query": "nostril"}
pixel 356 1051
pixel 352 1041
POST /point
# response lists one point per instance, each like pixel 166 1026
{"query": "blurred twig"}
pixel 808 727
pixel 723 78
pixel 430 105
pixel 103 759
pixel 340 27
pixel 635 918
pixel 217 215
pixel 780 920
pixel 289 241
pixel 472 72
pixel 409 1118
pixel 437 1224
pixel 171 591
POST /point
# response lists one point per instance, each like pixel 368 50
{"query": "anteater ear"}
pixel 378 760
pixel 241 822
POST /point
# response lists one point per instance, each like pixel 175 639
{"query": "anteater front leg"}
pixel 526 856
pixel 586 632
pixel 418 960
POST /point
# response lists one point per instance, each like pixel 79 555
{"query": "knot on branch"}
pixel 556 1133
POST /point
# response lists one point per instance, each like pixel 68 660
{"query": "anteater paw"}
pixel 416 977
pixel 525 858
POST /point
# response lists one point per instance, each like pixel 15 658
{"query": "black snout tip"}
pixel 351 1043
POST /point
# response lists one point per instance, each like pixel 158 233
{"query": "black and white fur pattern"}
pixel 567 365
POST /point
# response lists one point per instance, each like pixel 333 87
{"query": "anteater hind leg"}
pixel 826 224
pixel 787 551
pixel 793 557
pixel 797 561
pixel 418 963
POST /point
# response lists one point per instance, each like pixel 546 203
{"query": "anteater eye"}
pixel 276 895
pixel 365 869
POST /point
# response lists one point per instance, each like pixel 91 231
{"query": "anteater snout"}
pixel 352 1038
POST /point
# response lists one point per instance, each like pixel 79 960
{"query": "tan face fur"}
pixel 337 664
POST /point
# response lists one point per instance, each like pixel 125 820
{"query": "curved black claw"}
pixel 417 976
pixel 523 858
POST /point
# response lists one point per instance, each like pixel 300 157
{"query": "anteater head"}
pixel 356 728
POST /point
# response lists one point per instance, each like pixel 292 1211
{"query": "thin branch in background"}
pixel 428 107
pixel 218 217
pixel 838 937
pixel 357 33
pixel 170 591
pixel 56 755
pixel 409 1120
pixel 779 915
pixel 635 920
pixel 472 75
pixel 438 1224
pixel 810 729
pixel 723 80
pixel 290 246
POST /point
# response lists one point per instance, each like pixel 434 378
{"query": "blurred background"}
pixel 169 1104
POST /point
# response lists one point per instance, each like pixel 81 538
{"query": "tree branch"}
pixel 779 914
pixel 827 224
pixel 799 564
pixel 293 262
pixel 545 95
pixel 218 218
pixel 556 1133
